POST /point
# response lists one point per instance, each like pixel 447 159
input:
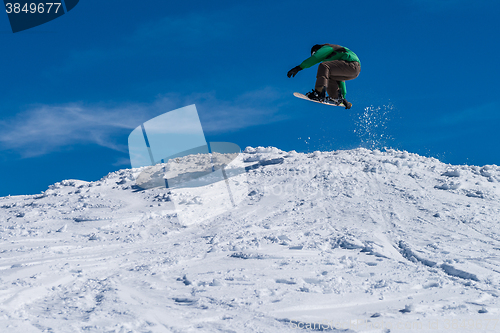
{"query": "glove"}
pixel 294 71
pixel 346 104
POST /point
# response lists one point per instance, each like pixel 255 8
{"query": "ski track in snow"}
pixel 355 240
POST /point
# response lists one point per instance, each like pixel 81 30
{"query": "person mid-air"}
pixel 337 65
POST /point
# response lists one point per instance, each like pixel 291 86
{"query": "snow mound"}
pixel 356 241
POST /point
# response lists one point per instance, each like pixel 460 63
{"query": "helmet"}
pixel 315 48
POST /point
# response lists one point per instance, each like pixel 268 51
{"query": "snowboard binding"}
pixel 316 95
pixel 322 98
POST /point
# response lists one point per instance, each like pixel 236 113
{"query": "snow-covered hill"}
pixel 347 241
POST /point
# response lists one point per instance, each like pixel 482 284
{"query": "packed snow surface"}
pixel 342 241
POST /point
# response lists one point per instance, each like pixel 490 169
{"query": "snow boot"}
pixel 316 95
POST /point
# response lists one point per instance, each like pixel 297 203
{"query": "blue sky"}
pixel 73 89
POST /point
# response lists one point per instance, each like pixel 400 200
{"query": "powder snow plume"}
pixel 371 126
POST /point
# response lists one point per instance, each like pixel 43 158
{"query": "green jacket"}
pixel 330 52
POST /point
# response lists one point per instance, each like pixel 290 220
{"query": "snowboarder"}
pixel 337 65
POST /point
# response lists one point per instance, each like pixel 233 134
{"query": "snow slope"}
pixel 342 241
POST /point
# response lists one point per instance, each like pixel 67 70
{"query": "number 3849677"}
pixel 33 7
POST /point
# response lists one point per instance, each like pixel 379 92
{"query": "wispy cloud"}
pixel 44 129
pixel 249 109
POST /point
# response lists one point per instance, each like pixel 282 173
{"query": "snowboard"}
pixel 299 95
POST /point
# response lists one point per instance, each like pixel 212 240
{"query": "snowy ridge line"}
pixel 448 269
pixel 410 255
pixel 242 255
pixel 358 234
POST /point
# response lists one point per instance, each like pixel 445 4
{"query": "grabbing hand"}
pixel 347 104
pixel 294 71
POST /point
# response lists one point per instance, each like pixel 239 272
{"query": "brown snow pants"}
pixel 329 72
